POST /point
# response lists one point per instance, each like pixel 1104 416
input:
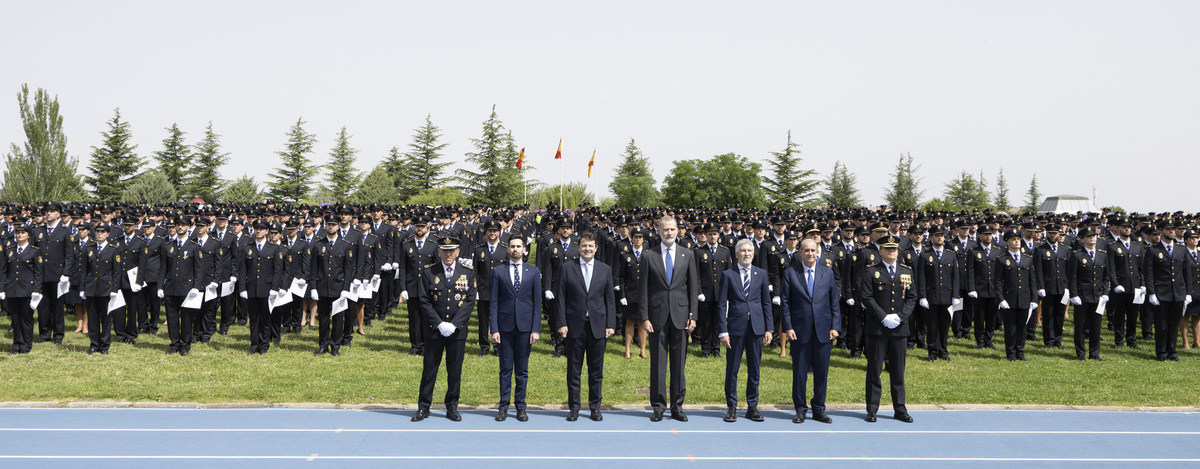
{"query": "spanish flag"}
pixel 521 159
pixel 558 155
pixel 591 163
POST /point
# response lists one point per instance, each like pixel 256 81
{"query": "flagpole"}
pixel 560 183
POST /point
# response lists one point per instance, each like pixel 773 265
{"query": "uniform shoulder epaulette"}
pixel 468 267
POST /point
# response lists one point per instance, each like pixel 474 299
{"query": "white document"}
pixel 132 275
pixel 1066 299
pixel 954 309
pixel 298 286
pixel 210 293
pixel 1030 315
pixel 396 276
pixel 340 305
pixel 375 284
pixel 1139 296
pixel 364 292
pixel 63 288
pixel 227 288
pixel 194 300
pixel 353 293
pixel 283 299
pixel 1100 305
pixel 115 302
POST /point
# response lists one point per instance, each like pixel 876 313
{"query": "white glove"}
pixel 243 295
pixel 2 295
pixel 1041 293
pixel 891 321
pixel 212 285
pixel 549 295
pixel 344 294
pixel 771 288
pixel 973 294
pixel 357 282
pixel 446 329
pixel 1104 298
pixel 924 303
pixel 194 290
pixel 617 288
pixel 232 279
pixel 1004 304
pixel 273 295
pixel 700 297
pixel 374 277
pixel 135 288
pixel 281 293
pixel 160 293
pixel 776 301
pixel 81 296
pixel 1143 289
pixel 1154 300
pixel 63 279
pixel 313 295
pixel 113 294
pixel 1076 301
pixel 623 302
pixel 955 301
pixel 1187 300
pixel 404 295
pixel 386 268
pixel 1033 305
pixel 1119 289
pixel 850 301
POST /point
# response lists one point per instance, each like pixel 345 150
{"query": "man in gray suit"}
pixel 669 300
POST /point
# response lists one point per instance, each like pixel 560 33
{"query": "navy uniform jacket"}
pixel 331 267
pixel 131 256
pixel 1127 264
pixel 181 269
pixel 937 278
pixel 224 262
pixel 1050 269
pixel 417 260
pixel 53 246
pixel 981 270
pixel 370 253
pixel 445 300
pixel 259 272
pixel 881 296
pixel 1088 278
pixel 710 266
pixel 209 270
pixel 103 273
pixel 597 300
pixel 1015 281
pixel 484 262
pixel 23 273
pixel 631 269
pixel 296 261
pixel 152 254
pixel 553 260
pixel 862 259
pixel 1166 274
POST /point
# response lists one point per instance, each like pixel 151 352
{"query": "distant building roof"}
pixel 1067 204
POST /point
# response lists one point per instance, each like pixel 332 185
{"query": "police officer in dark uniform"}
pixel 182 275
pixel 22 279
pixel 210 250
pixel 295 252
pixel 151 273
pixel 982 296
pixel 489 254
pixel 1167 277
pixel 1090 277
pixel 130 246
pixel 564 248
pixel 1050 280
pixel 259 270
pixel 102 283
pixel 331 272
pixel 937 272
pixel 447 297
pixel 419 253
pixel 53 242
pixel 629 272
pixel 888 301
pixel 1125 256
pixel 712 260
pixel 1014 281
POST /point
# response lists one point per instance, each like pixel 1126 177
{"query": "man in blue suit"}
pixel 812 321
pixel 514 316
pixel 587 316
pixel 743 321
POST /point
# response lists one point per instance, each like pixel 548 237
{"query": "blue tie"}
pixel 892 271
pixel 810 276
pixel 587 277
pixel 670 264
pixel 517 274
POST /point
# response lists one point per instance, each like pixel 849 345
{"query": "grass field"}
pixel 377 369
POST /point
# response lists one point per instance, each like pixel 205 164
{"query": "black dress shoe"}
pixel 183 353
pixel 870 417
pixel 1012 359
pixel 945 357
pixel 334 352
pixel 716 354
pixel 1097 358
pixel 12 352
pixel 1174 358
pixel 483 352
pixel 1021 357
pixel 250 352
pixel 904 417
pixel 753 415
pixel 678 414
pixel 799 418
pixel 703 354
pixel 453 415
pixel 931 358
pixel 319 353
pixel 1133 346
pixel 1080 358
pixel 501 415
pixel 557 353
pixel 855 354
pixel 522 416
pixel 92 350
pixel 656 416
pixel 573 415
pixel 596 416
pixel 730 415
pixel 821 417
pixel 420 415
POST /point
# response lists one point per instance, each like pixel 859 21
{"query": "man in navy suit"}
pixel 743 321
pixel 514 317
pixel 587 315
pixel 812 320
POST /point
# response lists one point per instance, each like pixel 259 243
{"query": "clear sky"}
pixel 1085 94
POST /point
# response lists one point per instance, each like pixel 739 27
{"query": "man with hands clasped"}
pixel 744 321
pixel 259 269
pixel 888 301
pixel 812 320
pixel 446 294
pixel 1089 278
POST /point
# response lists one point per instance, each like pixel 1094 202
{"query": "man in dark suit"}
pixel 713 260
pixel 130 246
pixel 259 270
pixel 1089 278
pixel 206 324
pixel 102 282
pixel 743 322
pixel 1125 257
pixel 668 302
pixel 22 280
pixel 587 316
pixel 559 251
pixel 812 320
pixel 514 317
pixel 983 298
pixel 447 297
pixel 888 301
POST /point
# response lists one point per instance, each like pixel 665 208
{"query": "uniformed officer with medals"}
pixel 446 295
pixel 888 299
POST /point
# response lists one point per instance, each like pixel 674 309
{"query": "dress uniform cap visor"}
pixel 448 242
pixel 1011 234
pixel 889 241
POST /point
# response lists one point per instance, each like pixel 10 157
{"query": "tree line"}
pixel 41 169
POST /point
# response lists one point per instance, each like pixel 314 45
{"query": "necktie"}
pixel 20 250
pixel 987 252
pixel 566 245
pixel 1054 249
pixel 892 271
pixel 939 254
pixel 1092 254
pixel 260 247
pixel 343 232
pixel 587 277
pixel 1017 257
pixel 1169 250
pixel 517 274
pixel 449 272
pixel 419 244
pixel 181 244
pixel 714 249
pixel 810 274
pixel 1194 258
pixel 670 265
pixel 637 255
pixel 492 249
pixel 1126 244
pixel 746 282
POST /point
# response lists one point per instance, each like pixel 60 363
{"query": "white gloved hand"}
pixel 624 303
pixel 924 303
pixel 194 290
pixel 357 282
pixel 1075 300
pixel 344 294
pixel 1004 304
pixel 1187 299
pixel 617 288
pixel 212 285
pixel 850 301
pixel 386 268
pixel 549 295
pixel 64 279
pixel 404 295
pixel 700 297
pixel 82 296
pixel 776 301
pixel 1033 305
pixel 232 279
pixel 1119 289
pixel 955 301
pixel 374 277
pixel 771 288
pixel 973 294
pixel 1104 298
pixel 160 293
pixel 891 321
pixel 2 296
pixel 1143 289
pixel 446 329
pixel 113 294
pixel 1154 300
pixel 281 293
pixel 1041 293
pixel 243 295
pixel 313 295
pixel 135 288
pixel 273 295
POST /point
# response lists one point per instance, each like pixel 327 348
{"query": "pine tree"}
pixel 497 181
pixel 396 165
pixel 841 189
pixel 42 170
pixel 633 183
pixel 343 178
pixel 423 171
pixel 905 192
pixel 243 191
pixel 965 193
pixel 114 163
pixel 790 187
pixel 293 181
pixel 1033 197
pixel 376 188
pixel 206 178
pixel 1000 198
pixel 175 160
pixel 151 187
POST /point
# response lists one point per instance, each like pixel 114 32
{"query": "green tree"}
pixel 42 170
pixel 1000 198
pixel 723 180
pixel 633 183
pixel 293 181
pixel 439 196
pixel 963 193
pixel 841 188
pixel 343 178
pixel 938 204
pixel 206 178
pixel 151 187
pixel 573 194
pixel 1033 197
pixel 422 169
pixel 242 191
pixel 396 164
pixel 175 160
pixel 114 163
pixel 905 191
pixel 790 187
pixel 377 187
pixel 497 181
